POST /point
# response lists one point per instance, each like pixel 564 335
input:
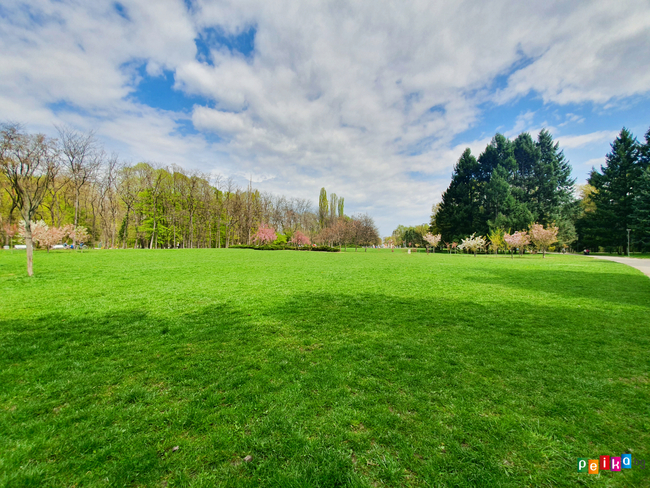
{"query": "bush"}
pixel 271 247
pixel 325 249
pixel 278 247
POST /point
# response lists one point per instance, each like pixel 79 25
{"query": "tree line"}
pixel 514 184
pixel 71 180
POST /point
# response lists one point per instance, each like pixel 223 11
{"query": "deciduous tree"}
pixel 518 240
pixel 30 163
pixel 542 237
pixel 265 234
pixel 473 244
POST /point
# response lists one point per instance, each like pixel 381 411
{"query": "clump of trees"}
pixel 513 184
pixel 72 181
pixel 510 185
pixel 617 198
pixel 409 236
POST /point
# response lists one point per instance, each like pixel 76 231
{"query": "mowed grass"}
pixel 351 369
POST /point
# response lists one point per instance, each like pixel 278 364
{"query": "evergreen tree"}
pixel 553 182
pixel 644 151
pixel 511 185
pixel 641 215
pixel 323 208
pixel 527 155
pixel 458 210
pixel 614 195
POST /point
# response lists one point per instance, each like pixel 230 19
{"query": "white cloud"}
pixel 585 139
pixel 595 162
pixel 356 97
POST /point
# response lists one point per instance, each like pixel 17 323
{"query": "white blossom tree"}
pixel 432 240
pixel 473 243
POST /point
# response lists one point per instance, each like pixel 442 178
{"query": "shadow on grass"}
pixel 323 389
pixel 607 287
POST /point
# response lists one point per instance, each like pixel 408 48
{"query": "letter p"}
pixel 582 465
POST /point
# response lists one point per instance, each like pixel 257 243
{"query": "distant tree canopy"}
pixel 509 186
pixel 147 205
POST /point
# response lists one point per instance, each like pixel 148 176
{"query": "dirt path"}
pixel 642 265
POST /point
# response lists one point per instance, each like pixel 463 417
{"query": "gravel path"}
pixel 642 265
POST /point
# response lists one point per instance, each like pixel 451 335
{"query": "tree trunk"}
pixel 153 233
pixel 76 216
pixel 126 228
pixel 30 248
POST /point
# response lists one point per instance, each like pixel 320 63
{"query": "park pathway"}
pixel 642 265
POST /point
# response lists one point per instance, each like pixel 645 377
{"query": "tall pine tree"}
pixel 641 215
pixel 511 185
pixel 614 197
pixel 458 210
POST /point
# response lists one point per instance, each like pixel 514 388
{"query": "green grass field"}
pixel 329 369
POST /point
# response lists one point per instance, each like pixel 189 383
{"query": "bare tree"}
pixel 30 162
pixel 367 233
pixel 81 161
pixel 108 202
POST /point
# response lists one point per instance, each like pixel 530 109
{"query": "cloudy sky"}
pixel 374 100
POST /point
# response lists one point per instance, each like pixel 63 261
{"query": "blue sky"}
pixel 373 100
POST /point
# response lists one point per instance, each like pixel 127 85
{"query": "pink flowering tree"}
pixel 54 235
pixel 10 232
pixel 518 240
pixel 265 234
pixel 542 237
pixel 300 239
pixel 432 240
pixel 39 230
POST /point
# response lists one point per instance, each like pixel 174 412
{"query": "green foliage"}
pixel 641 215
pixel 355 369
pixel 615 189
pixel 281 240
pixel 323 208
pixel 512 184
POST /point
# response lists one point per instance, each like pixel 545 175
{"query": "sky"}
pixel 373 100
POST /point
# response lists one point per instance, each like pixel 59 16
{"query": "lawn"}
pixel 169 368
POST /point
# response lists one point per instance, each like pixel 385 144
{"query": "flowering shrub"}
pixel 472 243
pixel 300 239
pixel 432 240
pixel 39 230
pixel 265 234
pixel 541 237
pixel 518 240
